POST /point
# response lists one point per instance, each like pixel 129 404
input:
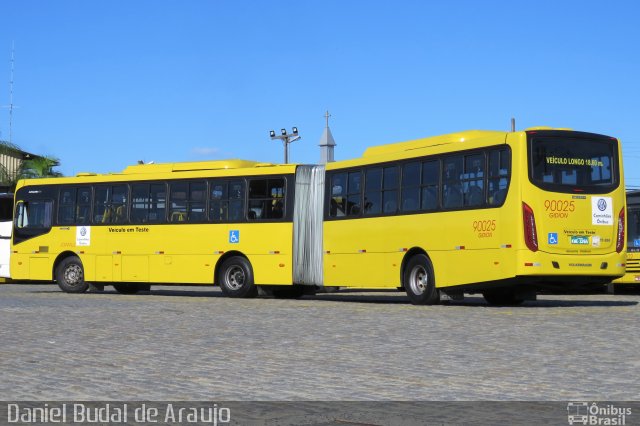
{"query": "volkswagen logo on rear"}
pixel 602 204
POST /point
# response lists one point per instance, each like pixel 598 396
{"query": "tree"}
pixel 8 179
pixel 36 167
pixel 39 167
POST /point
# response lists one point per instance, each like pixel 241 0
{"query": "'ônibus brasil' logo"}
pixel 597 414
pixel 602 204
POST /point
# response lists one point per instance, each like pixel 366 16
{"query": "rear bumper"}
pixel 608 266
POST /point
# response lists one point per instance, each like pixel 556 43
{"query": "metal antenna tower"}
pixel 10 106
pixel 13 48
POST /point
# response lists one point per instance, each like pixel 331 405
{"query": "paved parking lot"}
pixel 190 343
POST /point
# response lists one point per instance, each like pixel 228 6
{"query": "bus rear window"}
pixel 570 164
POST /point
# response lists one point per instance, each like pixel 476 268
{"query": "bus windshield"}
pixel 572 163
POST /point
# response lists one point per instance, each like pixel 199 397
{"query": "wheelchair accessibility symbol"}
pixel 553 238
pixel 234 237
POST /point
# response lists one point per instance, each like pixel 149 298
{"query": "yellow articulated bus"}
pixel 632 276
pixel 500 213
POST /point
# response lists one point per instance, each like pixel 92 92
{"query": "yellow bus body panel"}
pixel 161 253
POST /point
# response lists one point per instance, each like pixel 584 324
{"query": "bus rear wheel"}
pixel 236 278
pixel 419 281
pixel 70 276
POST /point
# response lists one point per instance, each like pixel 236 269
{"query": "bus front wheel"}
pixel 70 276
pixel 419 281
pixel 236 278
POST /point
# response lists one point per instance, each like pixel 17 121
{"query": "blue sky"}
pixel 102 84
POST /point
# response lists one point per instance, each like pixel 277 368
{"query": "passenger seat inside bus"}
pixel 499 197
pixel 452 197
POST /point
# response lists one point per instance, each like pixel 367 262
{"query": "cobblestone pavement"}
pixel 190 343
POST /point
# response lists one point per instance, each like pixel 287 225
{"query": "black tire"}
pixel 126 288
pixel 502 297
pixel 236 278
pixel 70 276
pixel 289 292
pixel 419 281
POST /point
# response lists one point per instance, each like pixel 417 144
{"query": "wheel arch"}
pixel 62 256
pixel 221 260
pixel 408 255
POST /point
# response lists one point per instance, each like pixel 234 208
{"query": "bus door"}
pixel 6 226
pixel 30 258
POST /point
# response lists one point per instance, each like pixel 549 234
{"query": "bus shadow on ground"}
pixel 383 297
pixel 472 300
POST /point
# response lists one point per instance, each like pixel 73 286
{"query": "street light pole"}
pixel 286 139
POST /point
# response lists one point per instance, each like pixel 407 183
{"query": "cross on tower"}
pixel 326 116
pixel 327 143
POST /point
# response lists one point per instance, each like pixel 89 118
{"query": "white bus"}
pixel 6 225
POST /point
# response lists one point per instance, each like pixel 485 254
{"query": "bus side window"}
pixel 236 200
pixel 157 202
pixel 83 206
pixel 22 221
pixel 140 203
pixel 110 204
pixel 218 201
pixel 430 184
pixel 178 201
pixel 338 195
pixel 451 189
pixel 390 183
pixel 373 191
pixel 354 193
pixel 196 203
pixel 119 203
pixel 34 214
pixel 410 187
pixel 66 206
pixel 473 180
pixel 499 172
pixel 100 208
pixel 266 197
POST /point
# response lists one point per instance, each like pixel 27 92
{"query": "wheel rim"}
pixel 235 278
pixel 73 275
pixel 418 280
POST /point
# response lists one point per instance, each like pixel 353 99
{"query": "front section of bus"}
pixel 573 209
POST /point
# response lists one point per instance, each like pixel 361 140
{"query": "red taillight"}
pixel 530 233
pixel 620 242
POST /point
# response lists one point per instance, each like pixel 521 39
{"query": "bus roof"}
pixel 425 146
pixel 467 136
pixel 187 170
pixel 191 166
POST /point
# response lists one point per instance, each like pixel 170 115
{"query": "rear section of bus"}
pixel 573 209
